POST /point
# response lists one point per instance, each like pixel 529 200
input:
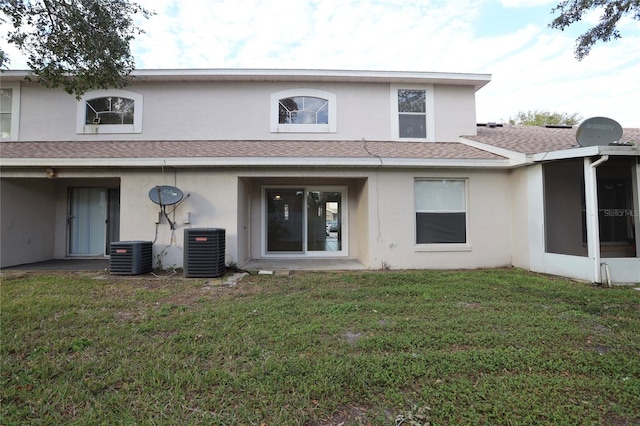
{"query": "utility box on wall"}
pixel 204 252
pixel 131 257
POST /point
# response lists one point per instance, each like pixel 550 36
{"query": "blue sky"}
pixel 532 66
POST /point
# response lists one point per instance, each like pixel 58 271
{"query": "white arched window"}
pixel 109 111
pixel 303 111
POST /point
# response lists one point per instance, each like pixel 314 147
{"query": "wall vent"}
pixel 204 252
pixel 131 257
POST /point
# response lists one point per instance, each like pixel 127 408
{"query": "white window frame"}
pixel 429 111
pixel 277 127
pixel 83 128
pixel 15 110
pixel 305 253
pixel 432 247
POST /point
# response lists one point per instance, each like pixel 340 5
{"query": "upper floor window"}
pixel 413 116
pixel 303 110
pixel 9 111
pixel 110 111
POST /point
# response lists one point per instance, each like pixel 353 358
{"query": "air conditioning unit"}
pixel 204 252
pixel 131 257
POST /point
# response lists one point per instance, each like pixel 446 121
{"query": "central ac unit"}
pixel 131 257
pixel 204 252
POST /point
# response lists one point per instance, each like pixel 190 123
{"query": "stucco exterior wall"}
pixel 392 225
pixel 519 218
pixel 380 202
pixel 28 218
pixel 210 198
pixel 201 110
pixel 455 112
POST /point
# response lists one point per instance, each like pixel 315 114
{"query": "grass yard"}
pixel 355 348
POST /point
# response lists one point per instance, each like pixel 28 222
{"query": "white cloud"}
pixel 527 3
pixel 532 66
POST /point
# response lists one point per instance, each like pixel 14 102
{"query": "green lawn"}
pixel 381 348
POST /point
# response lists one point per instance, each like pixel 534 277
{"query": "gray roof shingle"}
pixel 533 139
pixel 241 149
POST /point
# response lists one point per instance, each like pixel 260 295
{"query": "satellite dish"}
pixel 598 131
pixel 165 195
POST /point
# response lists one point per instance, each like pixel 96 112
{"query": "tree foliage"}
pixel 572 11
pixel 78 45
pixel 542 118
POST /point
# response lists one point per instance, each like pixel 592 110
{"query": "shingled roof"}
pixel 516 139
pixel 242 149
pixel 534 139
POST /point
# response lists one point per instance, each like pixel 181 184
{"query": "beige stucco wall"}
pixel 519 217
pixel 201 110
pixel 210 199
pixel 27 220
pixel 392 225
pixel 455 112
pixel 381 218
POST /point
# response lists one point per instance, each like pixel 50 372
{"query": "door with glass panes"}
pixel 305 221
pixel 93 220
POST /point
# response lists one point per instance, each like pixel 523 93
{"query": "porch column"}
pixel 635 178
pixel 592 219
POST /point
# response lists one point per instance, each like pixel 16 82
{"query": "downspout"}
pixel 594 241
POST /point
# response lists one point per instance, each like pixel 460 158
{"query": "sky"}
pixel 532 66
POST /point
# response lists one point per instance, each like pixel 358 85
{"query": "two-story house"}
pixel 360 168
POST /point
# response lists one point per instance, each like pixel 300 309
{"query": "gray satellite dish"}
pixel 598 131
pixel 165 195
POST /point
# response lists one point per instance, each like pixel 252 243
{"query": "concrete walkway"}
pixel 63 265
pixel 304 265
pixel 252 265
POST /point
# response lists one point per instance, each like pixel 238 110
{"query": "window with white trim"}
pixel 110 111
pixel 303 111
pixel 413 112
pixel 9 111
pixel 441 211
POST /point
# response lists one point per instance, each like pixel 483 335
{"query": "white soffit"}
pixel 587 151
pixel 253 162
pixel 303 75
pixel 516 158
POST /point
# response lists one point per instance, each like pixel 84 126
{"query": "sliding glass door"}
pixel 305 221
pixel 94 220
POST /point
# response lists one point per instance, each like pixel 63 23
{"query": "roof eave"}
pixel 291 75
pixel 255 162
pixel 586 151
pixel 515 158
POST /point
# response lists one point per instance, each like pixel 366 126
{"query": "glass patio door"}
pixel 304 221
pixel 285 220
pixel 94 220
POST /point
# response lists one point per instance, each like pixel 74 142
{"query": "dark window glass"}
pixel 303 110
pixel 109 110
pixel 412 118
pixel 441 228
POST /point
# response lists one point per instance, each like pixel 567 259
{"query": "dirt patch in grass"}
pixel 613 419
pixel 351 337
pixel 348 415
